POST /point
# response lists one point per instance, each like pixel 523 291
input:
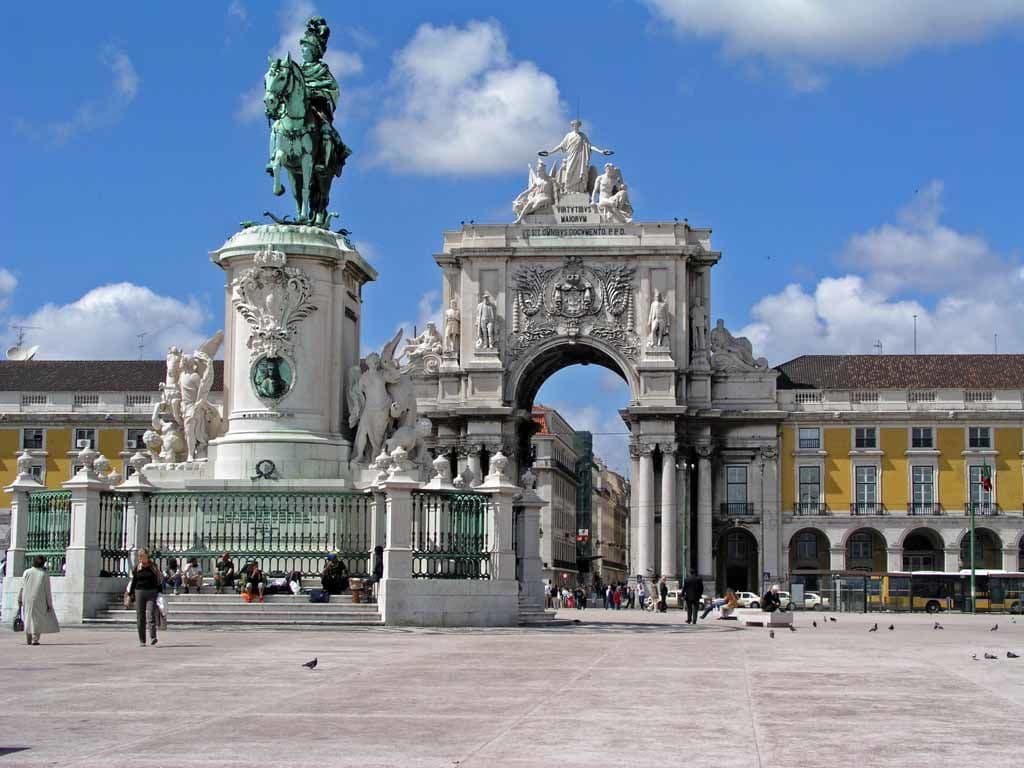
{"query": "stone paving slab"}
pixel 620 688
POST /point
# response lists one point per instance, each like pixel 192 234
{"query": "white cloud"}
pixel 462 105
pixel 293 20
pixel 963 293
pixel 794 33
pixel 104 323
pixel 95 113
pixel 8 282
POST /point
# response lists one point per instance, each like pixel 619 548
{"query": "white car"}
pixel 815 602
pixel 748 600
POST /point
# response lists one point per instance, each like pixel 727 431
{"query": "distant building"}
pixel 554 464
pixel 610 525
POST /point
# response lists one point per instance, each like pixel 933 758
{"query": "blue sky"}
pixel 859 161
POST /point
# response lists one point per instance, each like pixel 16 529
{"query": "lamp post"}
pixel 684 520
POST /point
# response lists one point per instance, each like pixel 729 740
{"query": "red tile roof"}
pixel 902 372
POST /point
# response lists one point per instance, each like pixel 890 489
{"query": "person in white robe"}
pixel 36 602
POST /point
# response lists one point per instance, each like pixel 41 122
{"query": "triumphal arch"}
pixel 575 278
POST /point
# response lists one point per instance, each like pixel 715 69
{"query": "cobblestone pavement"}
pixel 617 689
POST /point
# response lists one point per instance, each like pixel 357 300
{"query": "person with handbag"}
pixel 146 584
pixel 35 602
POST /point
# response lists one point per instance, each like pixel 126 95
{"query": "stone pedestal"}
pixel 528 541
pixel 292 323
pixel 85 592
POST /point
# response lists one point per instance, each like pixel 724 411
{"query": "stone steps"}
pixel 229 610
pixel 532 615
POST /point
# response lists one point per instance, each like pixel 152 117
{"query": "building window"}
pixel 810 486
pixel 866 478
pixel 75 469
pixel 135 441
pixel 810 437
pixel 36 471
pixel 979 437
pixel 32 439
pixel 921 437
pixel 981 486
pixel 860 546
pixel 85 438
pixel 923 488
pixel 807 546
pixel 736 488
pixel 865 437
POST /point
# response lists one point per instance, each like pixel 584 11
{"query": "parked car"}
pixel 748 600
pixel 675 599
pixel 815 602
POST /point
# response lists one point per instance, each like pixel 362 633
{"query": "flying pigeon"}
pixel 892 627
pixel 991 656
pixel 874 628
pixel 310 664
pixel 994 628
pixel 832 618
pixel 1012 655
pixel 771 633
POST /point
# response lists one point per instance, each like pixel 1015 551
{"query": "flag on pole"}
pixel 986 477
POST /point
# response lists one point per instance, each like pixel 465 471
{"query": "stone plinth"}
pixel 292 322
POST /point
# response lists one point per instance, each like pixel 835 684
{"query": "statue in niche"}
pixel 611 197
pixel 658 322
pixel 699 326
pixel 733 353
pixel 575 173
pixel 183 420
pixel 486 318
pixel 539 192
pixel 452 328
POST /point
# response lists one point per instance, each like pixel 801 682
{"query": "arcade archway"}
pixel 866 551
pixel 808 557
pixel 737 561
pixel 988 550
pixel 923 550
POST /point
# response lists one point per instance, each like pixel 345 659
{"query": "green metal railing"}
pixel 115 549
pixel 285 531
pixel 450 535
pixel 49 528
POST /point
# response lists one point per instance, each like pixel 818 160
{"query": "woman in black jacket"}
pixel 146 584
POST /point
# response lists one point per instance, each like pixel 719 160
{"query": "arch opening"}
pixel 988 550
pixel 923 550
pixel 809 557
pixel 866 550
pixel 737 561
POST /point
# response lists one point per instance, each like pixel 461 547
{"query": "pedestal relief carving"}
pixel 273 298
pixel 574 300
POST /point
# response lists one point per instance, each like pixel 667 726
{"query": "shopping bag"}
pixel 19 623
pixel 161 612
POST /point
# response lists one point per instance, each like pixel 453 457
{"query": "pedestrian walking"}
pixel 663 596
pixel 641 595
pixel 35 601
pixel 145 585
pixel 693 589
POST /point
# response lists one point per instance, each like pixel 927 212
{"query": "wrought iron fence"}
pixel 49 528
pixel 115 549
pixel 284 531
pixel 450 535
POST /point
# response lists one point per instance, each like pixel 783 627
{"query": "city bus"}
pixel 935 591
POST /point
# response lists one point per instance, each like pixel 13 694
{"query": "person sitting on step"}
pixel 172 576
pixel 225 575
pixel 334 578
pixel 193 576
pixel 256 582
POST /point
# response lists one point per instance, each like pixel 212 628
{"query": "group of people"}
pixel 614 597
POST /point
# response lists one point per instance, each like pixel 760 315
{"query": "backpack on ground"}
pixel 319 596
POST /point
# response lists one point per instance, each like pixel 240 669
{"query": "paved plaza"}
pixel 617 689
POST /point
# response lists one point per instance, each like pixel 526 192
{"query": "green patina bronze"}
pixel 272 377
pixel 300 100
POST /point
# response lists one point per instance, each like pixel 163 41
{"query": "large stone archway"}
pixel 568 285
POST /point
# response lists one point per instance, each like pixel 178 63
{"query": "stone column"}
pixel 473 462
pixel 632 540
pixel 895 559
pixel 22 486
pixel 502 491
pixel 1010 558
pixel 82 588
pixel 645 513
pixel 951 558
pixel 705 567
pixel 771 517
pixel 398 488
pixel 528 541
pixel 669 514
pixel 837 559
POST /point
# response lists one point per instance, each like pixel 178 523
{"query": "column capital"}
pixel 669 448
pixel 646 450
pixel 704 451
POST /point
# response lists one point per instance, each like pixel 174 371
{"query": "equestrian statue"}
pixel 300 100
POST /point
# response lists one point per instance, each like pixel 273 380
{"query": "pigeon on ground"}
pixel 1012 655
pixel 832 618
pixel 814 624
pixel 771 633
pixel 892 627
pixel 991 656
pixel 792 628
pixel 938 626
pixel 1013 620
pixel 874 628
pixel 994 628
pixel 310 664
pixel 974 657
